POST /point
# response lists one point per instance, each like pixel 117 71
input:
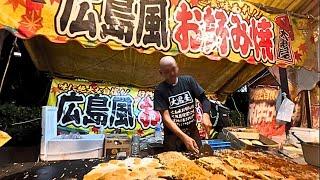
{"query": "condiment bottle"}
pixel 135 145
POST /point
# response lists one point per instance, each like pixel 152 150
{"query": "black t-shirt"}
pixel 179 99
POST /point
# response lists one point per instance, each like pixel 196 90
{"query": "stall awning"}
pixel 214 29
pixel 131 67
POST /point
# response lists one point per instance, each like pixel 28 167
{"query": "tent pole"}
pixel 7 66
pixel 308 106
pixel 285 88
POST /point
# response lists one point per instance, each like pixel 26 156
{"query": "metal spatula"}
pixel 205 150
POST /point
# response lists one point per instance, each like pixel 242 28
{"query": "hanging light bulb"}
pixel 17 54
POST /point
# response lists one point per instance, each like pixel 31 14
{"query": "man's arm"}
pixel 206 106
pixel 188 141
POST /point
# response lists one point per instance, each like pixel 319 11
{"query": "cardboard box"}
pixel 306 134
pixel 242 138
pixel 117 146
pixel 247 135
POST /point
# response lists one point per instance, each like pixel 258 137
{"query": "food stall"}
pixel 104 56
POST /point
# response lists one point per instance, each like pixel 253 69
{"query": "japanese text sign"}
pixel 216 29
pixel 262 111
pixel 84 106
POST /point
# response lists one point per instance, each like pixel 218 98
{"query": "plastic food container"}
pixel 217 144
pixel 311 153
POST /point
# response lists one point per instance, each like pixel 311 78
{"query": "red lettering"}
pixel 262 37
pixel 222 32
pixel 241 42
pixel 210 29
pixel 186 32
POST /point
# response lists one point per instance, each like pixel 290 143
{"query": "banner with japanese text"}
pixel 87 107
pixel 217 29
pixel 262 111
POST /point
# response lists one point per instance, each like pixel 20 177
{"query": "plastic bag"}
pixel 285 111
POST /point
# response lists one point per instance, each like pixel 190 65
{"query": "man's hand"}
pixel 188 141
pixel 190 144
pixel 206 122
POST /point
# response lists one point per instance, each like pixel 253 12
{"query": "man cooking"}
pixel 175 99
